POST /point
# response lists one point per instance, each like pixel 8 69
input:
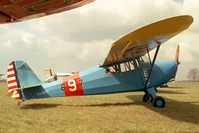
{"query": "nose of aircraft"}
pixel 163 71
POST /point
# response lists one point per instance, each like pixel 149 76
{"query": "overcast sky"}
pixel 81 38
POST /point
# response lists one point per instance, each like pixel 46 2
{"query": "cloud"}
pixel 80 38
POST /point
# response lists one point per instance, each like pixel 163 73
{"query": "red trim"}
pixel 73 85
pixel 11 75
pixel 17 98
pixel 11 69
pixel 12 81
pixel 12 87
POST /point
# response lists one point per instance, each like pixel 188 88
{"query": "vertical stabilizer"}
pixel 20 76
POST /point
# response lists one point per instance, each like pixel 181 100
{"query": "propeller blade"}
pixel 177 61
pixel 177 55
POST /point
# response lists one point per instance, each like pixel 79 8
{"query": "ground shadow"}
pixel 38 106
pixel 174 87
pixel 169 92
pixel 106 104
pixel 180 111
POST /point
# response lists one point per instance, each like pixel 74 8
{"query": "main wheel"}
pixel 159 102
pixel 147 98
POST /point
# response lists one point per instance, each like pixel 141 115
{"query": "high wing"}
pixel 145 39
pixel 19 10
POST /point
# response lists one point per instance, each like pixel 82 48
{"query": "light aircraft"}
pixel 54 76
pixel 20 10
pixel 128 67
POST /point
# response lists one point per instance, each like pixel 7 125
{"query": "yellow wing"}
pixel 138 42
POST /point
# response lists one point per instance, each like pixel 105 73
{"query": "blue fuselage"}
pixel 96 81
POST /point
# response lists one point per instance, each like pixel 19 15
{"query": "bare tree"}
pixel 193 74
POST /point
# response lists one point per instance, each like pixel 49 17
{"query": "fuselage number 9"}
pixel 72 85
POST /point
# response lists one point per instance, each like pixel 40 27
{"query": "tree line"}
pixel 193 75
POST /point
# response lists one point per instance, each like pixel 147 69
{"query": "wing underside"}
pixel 19 10
pixel 145 39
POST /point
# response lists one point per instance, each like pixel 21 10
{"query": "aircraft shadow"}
pixel 180 111
pixel 175 87
pixel 169 92
pixel 38 106
pixel 107 104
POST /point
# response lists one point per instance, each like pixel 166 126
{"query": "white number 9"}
pixel 72 85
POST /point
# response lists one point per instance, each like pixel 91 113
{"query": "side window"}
pixel 145 59
pixel 127 66
pixel 123 67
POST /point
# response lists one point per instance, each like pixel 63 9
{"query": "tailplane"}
pixel 19 76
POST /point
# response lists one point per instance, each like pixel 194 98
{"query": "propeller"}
pixel 177 60
pixel 177 54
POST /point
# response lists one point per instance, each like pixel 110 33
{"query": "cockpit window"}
pixel 127 66
pixel 122 67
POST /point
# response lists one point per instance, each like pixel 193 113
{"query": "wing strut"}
pixel 154 59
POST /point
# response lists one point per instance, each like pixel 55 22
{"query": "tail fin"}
pixel 20 75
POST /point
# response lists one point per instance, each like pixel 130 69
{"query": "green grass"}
pixel 123 112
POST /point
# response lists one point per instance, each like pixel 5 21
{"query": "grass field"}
pixel 123 112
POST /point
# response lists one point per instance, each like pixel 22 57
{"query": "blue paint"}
pixel 34 88
pixel 96 80
pixel 26 77
pixel 54 89
pixel 46 90
pixel 162 72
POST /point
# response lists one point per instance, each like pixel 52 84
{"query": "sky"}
pixel 81 38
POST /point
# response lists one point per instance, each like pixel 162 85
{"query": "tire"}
pixel 147 98
pixel 159 102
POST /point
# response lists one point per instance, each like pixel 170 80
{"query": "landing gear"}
pixel 159 102
pixel 147 98
pixel 150 96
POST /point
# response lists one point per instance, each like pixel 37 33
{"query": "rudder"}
pixel 12 81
